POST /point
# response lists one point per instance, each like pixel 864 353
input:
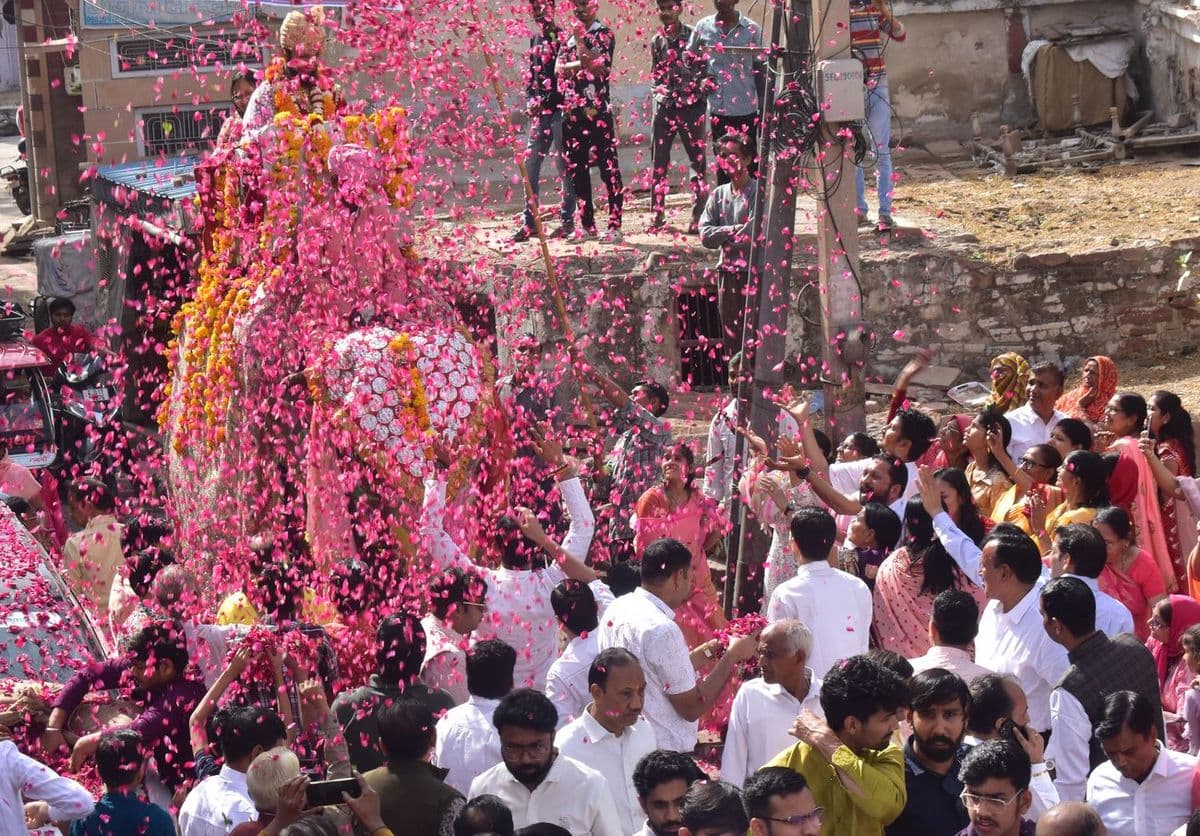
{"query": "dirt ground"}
pixel 1113 205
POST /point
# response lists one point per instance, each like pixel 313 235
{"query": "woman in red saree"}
pixel 1172 617
pixel 1130 574
pixel 1131 484
pixel 1087 401
pixel 1170 451
pixel 678 508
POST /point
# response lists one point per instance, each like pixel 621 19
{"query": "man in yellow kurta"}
pixel 855 770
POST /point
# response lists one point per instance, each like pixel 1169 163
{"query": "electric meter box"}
pixel 840 89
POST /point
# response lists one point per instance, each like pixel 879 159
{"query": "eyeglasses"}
pixel 481 604
pixel 1027 463
pixel 987 802
pixel 799 821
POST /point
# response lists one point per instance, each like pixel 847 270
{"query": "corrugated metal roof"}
pixel 152 184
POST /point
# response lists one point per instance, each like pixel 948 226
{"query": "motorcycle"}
pixel 17 178
pixel 87 403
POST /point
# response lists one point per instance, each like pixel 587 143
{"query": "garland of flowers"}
pixel 418 400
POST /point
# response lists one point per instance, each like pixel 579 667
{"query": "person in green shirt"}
pixel 855 771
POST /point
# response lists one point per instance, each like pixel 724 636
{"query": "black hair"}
pixel 543 828
pixel 956 617
pixel 1193 825
pixel 454 586
pixel 575 606
pixel 94 492
pixel 1116 518
pixel 1072 604
pixel 996 759
pixel 526 708
pixel 278 590
pixel 866 446
pixel 1093 473
pixel 713 804
pixel 970 521
pixel 891 660
pixel 623 577
pixel 119 756
pixel 990 703
pixel 658 392
pixel 813 531
pixel 515 549
pixel 145 566
pixel 767 783
pixel 825 443
pixel 17 505
pixel 406 728
pixel 1052 456
pixel 484 814
pixel 684 451
pixel 400 648
pixel 663 558
pixel 1133 405
pixel 1085 547
pixel 939 571
pixel 737 139
pixel 858 687
pixel 882 520
pixel 897 470
pixel 991 418
pixel 246 74
pixel 490 665
pixel 1046 367
pixel 938 686
pixel 918 429
pixel 60 303
pixel 354 589
pixel 1016 550
pixel 1178 426
pixel 159 641
pixel 1127 709
pixel 663 766
pixel 1076 432
pixel 239 729
pixel 605 661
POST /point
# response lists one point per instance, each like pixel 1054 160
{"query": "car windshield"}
pixel 23 415
pixel 42 631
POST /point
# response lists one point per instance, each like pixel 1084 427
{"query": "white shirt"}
pixel 585 740
pixel 834 605
pixel 643 624
pixel 445 663
pixel 1029 430
pixel 208 644
pixel 21 777
pixel 759 725
pixel 519 611
pixel 721 452
pixel 1112 617
pixel 1069 748
pixel 1015 642
pixel 954 659
pixel 573 796
pixel 846 476
pixel 217 805
pixel 467 743
pixel 566 683
pixel 1155 807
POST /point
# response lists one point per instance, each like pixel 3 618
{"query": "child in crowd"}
pixel 871 537
pixel 121 762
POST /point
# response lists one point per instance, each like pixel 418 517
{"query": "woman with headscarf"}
pixel 1087 401
pixel 1171 619
pixel 1170 450
pixel 1010 377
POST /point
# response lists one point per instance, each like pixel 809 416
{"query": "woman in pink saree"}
pixel 1170 450
pixel 678 508
pixel 908 581
pixel 1130 574
pixel 1132 485
pixel 1172 617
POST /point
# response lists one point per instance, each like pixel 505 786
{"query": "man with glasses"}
pixel 536 782
pixel 996 777
pixel 780 803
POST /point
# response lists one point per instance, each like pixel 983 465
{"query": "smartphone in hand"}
pixel 328 793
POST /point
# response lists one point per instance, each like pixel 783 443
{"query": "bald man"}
pixel 1071 818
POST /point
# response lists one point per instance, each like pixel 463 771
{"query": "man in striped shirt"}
pixel 872 25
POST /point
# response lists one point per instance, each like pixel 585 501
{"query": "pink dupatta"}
pixel 1147 519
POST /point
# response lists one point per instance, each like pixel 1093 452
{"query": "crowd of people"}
pixel 985 626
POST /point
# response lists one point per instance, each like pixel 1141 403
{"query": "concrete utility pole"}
pixel 845 339
pixel 765 321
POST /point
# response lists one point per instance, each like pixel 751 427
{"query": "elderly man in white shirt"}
pixel 466 742
pixel 519 611
pixel 764 709
pixel 643 622
pixel 611 735
pixel 1032 423
pixel 578 608
pixel 952 630
pixel 536 781
pixel 1079 551
pixel 1011 636
pixel 833 604
pixel 1143 789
